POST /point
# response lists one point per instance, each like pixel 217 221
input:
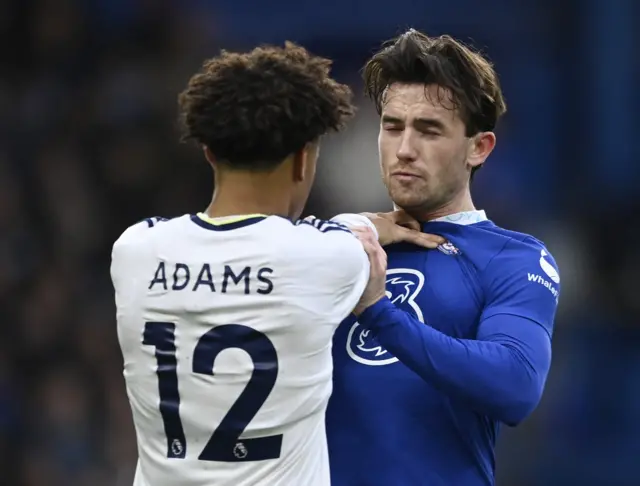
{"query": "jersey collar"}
pixel 226 223
pixel 463 218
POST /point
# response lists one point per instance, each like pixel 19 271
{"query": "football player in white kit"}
pixel 225 318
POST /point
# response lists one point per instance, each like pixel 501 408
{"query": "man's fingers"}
pixel 366 237
pixel 363 232
pixel 378 259
pixel 437 239
pixel 403 219
pixel 376 254
pixel 425 240
pixel 397 233
pixel 382 260
pixel 410 224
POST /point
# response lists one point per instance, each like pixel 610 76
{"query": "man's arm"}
pixel 331 268
pixel 338 262
pixel 501 373
pixel 128 254
pixel 392 227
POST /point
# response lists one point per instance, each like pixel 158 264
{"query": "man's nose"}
pixel 406 150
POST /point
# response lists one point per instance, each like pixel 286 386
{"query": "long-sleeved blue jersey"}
pixel 461 344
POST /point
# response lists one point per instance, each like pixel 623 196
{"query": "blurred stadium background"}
pixel 88 146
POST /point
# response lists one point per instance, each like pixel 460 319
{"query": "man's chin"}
pixel 407 202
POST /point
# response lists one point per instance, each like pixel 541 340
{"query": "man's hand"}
pixel 375 289
pixel 398 226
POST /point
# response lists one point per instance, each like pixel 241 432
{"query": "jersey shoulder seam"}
pixel 510 239
pixel 152 221
pixel 491 260
pixel 322 225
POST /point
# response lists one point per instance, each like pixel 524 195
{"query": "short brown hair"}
pixel 254 109
pixel 417 58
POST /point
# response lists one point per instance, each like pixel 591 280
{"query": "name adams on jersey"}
pixel 225 328
pixel 201 277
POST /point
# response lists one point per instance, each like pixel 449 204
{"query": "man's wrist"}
pixel 361 308
pixel 376 316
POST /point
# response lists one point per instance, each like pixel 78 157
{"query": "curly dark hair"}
pixel 443 61
pixel 254 109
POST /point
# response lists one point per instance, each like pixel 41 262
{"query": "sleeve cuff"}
pixel 373 316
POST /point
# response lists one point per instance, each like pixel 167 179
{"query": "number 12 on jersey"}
pixel 225 443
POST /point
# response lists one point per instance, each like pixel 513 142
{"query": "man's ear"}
pixel 209 156
pixel 482 144
pixel 299 164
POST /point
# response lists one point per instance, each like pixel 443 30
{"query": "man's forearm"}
pixel 502 377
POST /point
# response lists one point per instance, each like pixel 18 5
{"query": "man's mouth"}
pixel 404 176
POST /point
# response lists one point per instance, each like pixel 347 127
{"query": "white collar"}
pixel 464 218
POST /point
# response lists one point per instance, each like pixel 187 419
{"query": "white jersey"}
pixel 226 329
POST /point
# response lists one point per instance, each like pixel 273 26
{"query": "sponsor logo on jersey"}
pixel 403 286
pixel 547 268
pixel 551 273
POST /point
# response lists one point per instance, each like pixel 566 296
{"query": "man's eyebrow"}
pixel 391 119
pixel 429 122
pixel 419 122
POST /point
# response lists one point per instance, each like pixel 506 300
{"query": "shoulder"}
pixel 323 236
pixel 327 249
pixel 138 233
pixel 522 278
pixel 136 240
pixel 321 226
pixel 500 252
pixel 523 252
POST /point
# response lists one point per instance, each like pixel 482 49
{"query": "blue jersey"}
pixel 461 344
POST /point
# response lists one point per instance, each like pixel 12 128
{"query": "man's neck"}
pixel 454 206
pixel 235 196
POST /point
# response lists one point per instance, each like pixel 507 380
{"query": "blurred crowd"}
pixel 88 146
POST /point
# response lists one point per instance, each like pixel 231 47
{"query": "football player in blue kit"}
pixel 448 344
